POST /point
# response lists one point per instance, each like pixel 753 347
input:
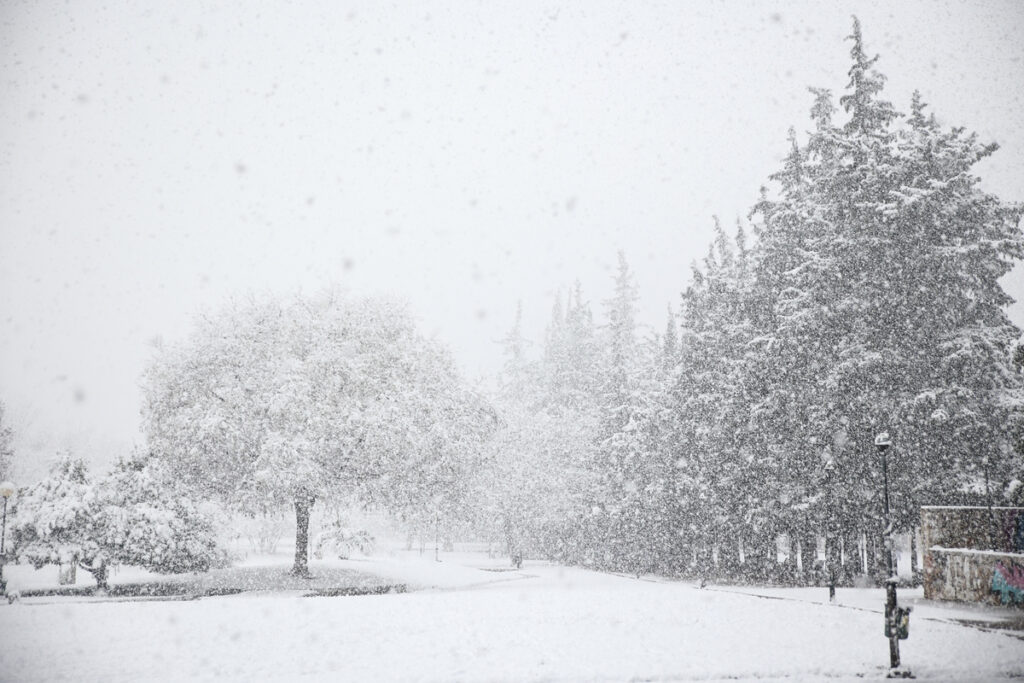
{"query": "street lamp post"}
pixel 896 618
pixel 988 503
pixel 831 525
pixel 7 490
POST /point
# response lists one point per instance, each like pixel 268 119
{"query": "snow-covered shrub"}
pixel 135 516
pixel 148 522
pixel 340 541
pixel 53 522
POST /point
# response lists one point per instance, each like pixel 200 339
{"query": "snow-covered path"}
pixel 544 623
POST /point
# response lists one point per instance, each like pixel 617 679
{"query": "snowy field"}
pixel 538 624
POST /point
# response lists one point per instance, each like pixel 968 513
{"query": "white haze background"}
pixel 158 158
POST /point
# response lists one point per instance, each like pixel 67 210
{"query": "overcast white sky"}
pixel 157 158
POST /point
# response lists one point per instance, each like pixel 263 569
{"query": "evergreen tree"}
pixel 620 353
pixel 880 308
pixel 670 344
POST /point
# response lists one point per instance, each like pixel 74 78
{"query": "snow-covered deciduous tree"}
pixel 293 399
pixel 135 516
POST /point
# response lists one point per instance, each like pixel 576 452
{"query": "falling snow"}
pixel 394 345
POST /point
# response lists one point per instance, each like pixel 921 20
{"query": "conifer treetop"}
pixel 868 114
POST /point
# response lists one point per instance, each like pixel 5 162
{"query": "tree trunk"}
pixel 99 573
pixel 833 558
pixel 851 556
pixel 809 557
pixel 877 569
pixel 302 507
pixel 66 573
pixel 869 555
pixel 511 544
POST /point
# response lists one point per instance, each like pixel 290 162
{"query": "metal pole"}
pixel 3 538
pixel 991 514
pixel 3 534
pixel 832 553
pixel 890 582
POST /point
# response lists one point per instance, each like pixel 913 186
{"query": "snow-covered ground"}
pixel 541 623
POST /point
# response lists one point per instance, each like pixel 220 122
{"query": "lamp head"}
pixel 882 441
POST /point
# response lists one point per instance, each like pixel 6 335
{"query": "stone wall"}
pixel 974 554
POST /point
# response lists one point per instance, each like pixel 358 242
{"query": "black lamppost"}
pixel 831 524
pixel 988 503
pixel 897 619
pixel 7 490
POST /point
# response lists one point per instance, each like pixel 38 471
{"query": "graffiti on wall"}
pixel 1008 582
pixel 974 554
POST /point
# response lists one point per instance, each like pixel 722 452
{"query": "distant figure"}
pixel 517 559
pixel 826 574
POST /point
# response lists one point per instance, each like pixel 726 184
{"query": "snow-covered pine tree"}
pixel 880 308
pixel 620 354
pixel 517 379
pixel 531 490
pixel 714 466
pixel 670 344
pixel 622 450
pixel 569 364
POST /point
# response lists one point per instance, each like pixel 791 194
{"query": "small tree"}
pixel 340 540
pixel 148 521
pixel 52 521
pixel 133 516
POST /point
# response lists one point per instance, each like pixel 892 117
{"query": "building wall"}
pixel 974 554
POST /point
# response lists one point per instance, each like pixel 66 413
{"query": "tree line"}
pixel 861 295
